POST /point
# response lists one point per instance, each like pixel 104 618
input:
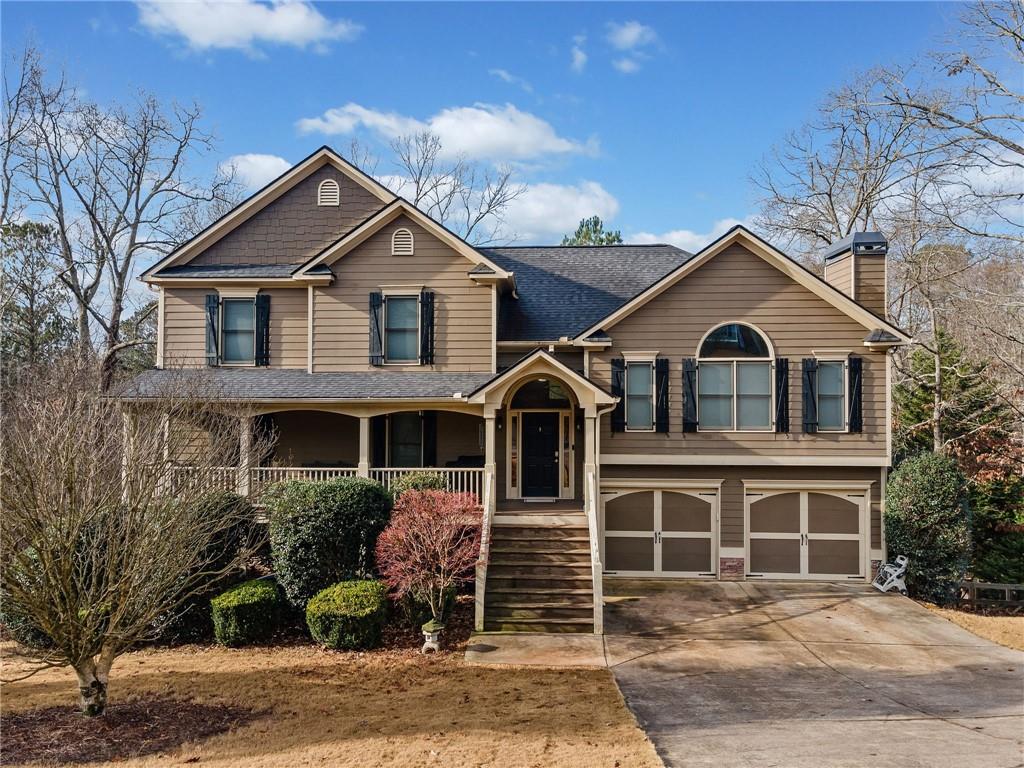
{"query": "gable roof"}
pixel 539 358
pixel 565 289
pixel 382 218
pixel 264 197
pixel 761 248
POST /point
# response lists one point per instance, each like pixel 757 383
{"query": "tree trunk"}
pixel 92 683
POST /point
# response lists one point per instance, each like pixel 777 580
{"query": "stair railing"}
pixel 596 569
pixel 485 545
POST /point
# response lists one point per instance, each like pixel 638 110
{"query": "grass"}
pixel 381 708
pixel 1005 630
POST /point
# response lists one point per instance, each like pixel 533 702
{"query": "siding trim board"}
pixel 708 459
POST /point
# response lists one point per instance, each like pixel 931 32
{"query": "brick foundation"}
pixel 731 568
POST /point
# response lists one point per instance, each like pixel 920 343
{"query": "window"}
pixel 831 396
pixel 406 440
pixel 328 193
pixel 736 393
pixel 640 395
pixel 238 331
pixel 402 243
pixel 401 329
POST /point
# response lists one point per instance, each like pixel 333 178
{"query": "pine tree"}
pixel 591 232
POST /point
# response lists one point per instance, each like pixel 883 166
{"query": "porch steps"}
pixel 538 575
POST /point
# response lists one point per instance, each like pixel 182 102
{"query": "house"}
pixel 619 411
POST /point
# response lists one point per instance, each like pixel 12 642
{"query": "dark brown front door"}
pixel 540 454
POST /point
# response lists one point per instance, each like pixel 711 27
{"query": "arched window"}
pixel 402 243
pixel 328 193
pixel 735 386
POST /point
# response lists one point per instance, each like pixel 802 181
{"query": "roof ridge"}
pixel 608 245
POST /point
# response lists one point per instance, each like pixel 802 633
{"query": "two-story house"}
pixel 618 410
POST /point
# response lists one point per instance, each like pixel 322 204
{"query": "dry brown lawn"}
pixel 386 708
pixel 1005 630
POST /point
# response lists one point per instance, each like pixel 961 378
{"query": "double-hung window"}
pixel 238 331
pixel 640 396
pixel 401 329
pixel 831 395
pixel 734 380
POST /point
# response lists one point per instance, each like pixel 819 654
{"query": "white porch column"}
pixel 589 449
pixel 245 425
pixel 363 468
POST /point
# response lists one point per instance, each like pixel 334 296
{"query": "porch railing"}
pixel 460 479
pixel 209 478
pixel 261 477
pixel 596 569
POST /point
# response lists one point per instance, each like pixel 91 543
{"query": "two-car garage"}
pixel 806 529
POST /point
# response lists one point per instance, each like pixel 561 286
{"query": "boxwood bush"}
pixel 349 615
pixel 926 519
pixel 418 481
pixel 323 533
pixel 247 613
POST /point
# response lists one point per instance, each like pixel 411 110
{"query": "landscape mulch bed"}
pixel 62 735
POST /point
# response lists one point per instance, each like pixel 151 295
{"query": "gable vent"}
pixel 328 193
pixel 402 243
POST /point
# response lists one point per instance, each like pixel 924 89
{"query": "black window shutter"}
pixel 427 328
pixel 619 391
pixel 376 341
pixel 379 441
pixel 262 329
pixel 855 367
pixel 212 335
pixel 689 394
pixel 810 394
pixel 782 395
pixel 430 438
pixel 661 395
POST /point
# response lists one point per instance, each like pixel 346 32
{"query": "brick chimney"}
pixel 856 266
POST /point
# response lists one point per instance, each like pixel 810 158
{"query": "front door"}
pixel 540 454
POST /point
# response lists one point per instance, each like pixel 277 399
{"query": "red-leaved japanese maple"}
pixel 430 546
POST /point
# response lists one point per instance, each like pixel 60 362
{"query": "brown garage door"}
pixel 806 534
pixel 662 532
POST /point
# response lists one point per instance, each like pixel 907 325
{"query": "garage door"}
pixel 807 534
pixel 660 532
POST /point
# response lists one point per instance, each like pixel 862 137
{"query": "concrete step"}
pixel 539 625
pixel 533 599
pixel 583 613
pixel 511 593
pixel 537 582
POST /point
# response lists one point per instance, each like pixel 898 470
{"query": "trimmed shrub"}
pixel 192 622
pixel 348 616
pixel 997 528
pixel 418 481
pixel 247 613
pixel 323 533
pixel 926 519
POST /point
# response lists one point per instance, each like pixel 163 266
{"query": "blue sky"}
pixel 652 115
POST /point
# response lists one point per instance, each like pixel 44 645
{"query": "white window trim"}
pixel 845 360
pixel 412 242
pixel 770 360
pixel 326 183
pixel 397 294
pixel 230 296
pixel 639 359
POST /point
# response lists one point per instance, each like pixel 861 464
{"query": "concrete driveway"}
pixel 793 675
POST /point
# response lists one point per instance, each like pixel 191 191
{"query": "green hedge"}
pixel 997 527
pixel 349 615
pixel 323 533
pixel 418 481
pixel 247 613
pixel 926 519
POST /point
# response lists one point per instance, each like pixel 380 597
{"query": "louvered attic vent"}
pixel 402 243
pixel 328 193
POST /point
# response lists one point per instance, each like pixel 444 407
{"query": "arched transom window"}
pixel 734 379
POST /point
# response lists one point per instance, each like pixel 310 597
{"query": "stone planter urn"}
pixel 431 637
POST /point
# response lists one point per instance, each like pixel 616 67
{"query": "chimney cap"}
pixel 859 243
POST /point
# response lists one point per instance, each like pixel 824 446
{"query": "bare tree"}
pixel 99 541
pixel 18 79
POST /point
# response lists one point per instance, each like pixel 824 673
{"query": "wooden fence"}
pixel 982 594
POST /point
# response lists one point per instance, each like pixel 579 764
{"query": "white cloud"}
pixel 630 35
pixel 627 66
pixel 546 212
pixel 505 76
pixel 254 170
pixel 242 25
pixel 687 239
pixel 481 131
pixel 579 56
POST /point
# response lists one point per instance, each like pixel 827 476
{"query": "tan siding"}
pixel 294 228
pixel 307 438
pixel 737 285
pixel 732 489
pixel 184 326
pixel 570 356
pixel 462 311
pixel 871 283
pixel 289 330
pixel 458 434
pixel 839 273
